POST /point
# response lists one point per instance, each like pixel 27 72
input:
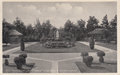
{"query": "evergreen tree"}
pixel 92 23
pixel 46 27
pixel 105 23
pixel 6 29
pixel 81 29
pixel 71 28
pixel 68 26
pixel 113 23
pixel 81 23
pixel 38 29
pixel 20 27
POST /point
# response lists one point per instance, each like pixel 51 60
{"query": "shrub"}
pixel 91 46
pixel 18 62
pixel 6 62
pixel 6 56
pixel 100 54
pixel 23 55
pixel 88 60
pixel 91 42
pixel 23 58
pixel 22 46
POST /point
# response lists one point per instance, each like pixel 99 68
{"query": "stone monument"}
pixel 57 35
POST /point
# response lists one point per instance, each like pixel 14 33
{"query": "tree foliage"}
pixel 113 23
pixel 46 27
pixel 38 28
pixel 6 30
pixel 81 29
pixel 92 23
pixel 20 27
pixel 105 23
pixel 77 31
pixel 81 23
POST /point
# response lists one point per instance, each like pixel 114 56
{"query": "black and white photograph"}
pixel 59 37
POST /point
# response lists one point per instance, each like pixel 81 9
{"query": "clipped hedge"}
pixel 23 55
pixel 100 54
pixel 18 62
pixel 21 60
pixel 88 60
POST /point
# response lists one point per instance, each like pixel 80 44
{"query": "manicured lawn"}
pixel 13 45
pixel 98 68
pixel 68 66
pixel 11 68
pixel 40 66
pixel 108 45
pixel 67 63
pixel 68 60
pixel 38 48
pixel 6 47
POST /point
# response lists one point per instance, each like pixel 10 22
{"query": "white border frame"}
pixel 118 36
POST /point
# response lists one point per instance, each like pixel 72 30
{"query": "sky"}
pixel 57 12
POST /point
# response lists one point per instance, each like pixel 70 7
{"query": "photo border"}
pixel 118 36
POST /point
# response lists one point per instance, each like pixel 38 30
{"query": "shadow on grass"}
pixel 111 63
pixel 97 67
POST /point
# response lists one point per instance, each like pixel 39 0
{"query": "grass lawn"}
pixel 11 68
pixel 13 45
pixel 6 47
pixel 38 48
pixel 108 45
pixel 68 66
pixel 40 66
pixel 98 68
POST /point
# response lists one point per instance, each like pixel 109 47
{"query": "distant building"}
pixel 14 36
pixel 98 33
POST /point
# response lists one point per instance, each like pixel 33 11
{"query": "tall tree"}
pixel 38 29
pixel 92 23
pixel 113 23
pixel 105 23
pixel 20 27
pixel 71 28
pixel 81 29
pixel 6 31
pixel 81 23
pixel 68 25
pixel 46 27
pixel 52 32
pixel 29 30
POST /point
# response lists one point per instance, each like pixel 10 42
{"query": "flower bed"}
pixel 58 44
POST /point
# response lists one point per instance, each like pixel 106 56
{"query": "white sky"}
pixel 57 13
